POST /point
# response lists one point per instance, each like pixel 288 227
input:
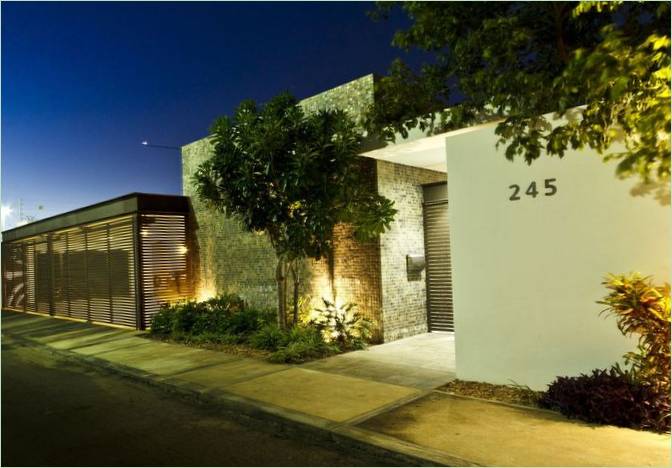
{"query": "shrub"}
pixel 342 325
pixel 643 309
pixel 304 343
pixel 609 397
pixel 247 321
pixel 269 337
pixel 226 315
pixel 162 321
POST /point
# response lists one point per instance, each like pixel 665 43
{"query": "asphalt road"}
pixel 56 413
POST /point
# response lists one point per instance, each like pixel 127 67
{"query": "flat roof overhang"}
pixel 126 204
pixel 419 150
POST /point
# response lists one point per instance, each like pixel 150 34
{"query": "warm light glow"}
pixel 205 292
pixel 182 249
pixel 144 232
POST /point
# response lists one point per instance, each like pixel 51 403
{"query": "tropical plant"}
pixel 603 65
pixel 342 325
pixel 643 309
pixel 294 177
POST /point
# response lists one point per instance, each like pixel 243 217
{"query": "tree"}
pixel 608 62
pixel 294 177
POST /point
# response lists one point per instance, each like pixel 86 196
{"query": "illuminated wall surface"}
pixel 372 275
pixel 527 269
pixel 229 259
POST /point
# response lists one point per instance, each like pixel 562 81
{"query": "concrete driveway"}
pixel 423 361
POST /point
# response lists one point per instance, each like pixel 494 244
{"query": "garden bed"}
pixel 517 395
pixel 227 323
pixel 234 349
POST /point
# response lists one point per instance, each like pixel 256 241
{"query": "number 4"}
pixel 532 190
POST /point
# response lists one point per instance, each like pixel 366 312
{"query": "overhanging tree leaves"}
pixel 294 177
pixel 608 62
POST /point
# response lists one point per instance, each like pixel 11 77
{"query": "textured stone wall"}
pixel 227 258
pixel 404 297
pixel 353 97
pixel 231 259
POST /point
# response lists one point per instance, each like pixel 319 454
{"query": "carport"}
pixel 114 262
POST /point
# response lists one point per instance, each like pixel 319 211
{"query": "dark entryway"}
pixel 437 257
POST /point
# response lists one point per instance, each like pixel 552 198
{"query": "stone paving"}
pixel 383 397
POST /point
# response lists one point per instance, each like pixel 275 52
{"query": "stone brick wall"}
pixel 226 257
pixel 353 97
pixel 404 298
pixel 229 259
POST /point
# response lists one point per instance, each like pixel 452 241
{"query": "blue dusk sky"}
pixel 83 84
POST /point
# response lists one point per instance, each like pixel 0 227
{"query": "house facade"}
pixel 507 256
pixel 373 275
pixel 514 255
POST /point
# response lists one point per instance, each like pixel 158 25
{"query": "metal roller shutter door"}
pixel 438 275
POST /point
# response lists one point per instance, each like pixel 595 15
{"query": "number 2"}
pixel 514 195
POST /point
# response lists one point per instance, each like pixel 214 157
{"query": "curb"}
pixel 272 418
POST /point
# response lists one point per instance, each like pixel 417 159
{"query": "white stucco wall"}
pixel 527 273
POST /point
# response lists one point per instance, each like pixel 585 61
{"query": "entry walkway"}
pixel 423 361
pixel 355 406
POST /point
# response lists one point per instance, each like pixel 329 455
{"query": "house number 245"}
pixel 549 188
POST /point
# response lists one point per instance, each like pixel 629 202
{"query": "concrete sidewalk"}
pixel 397 414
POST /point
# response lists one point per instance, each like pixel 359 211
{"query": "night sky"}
pixel 84 83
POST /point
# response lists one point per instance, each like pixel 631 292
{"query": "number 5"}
pixel 550 188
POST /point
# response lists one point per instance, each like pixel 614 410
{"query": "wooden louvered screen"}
pixel 163 253
pixel 86 273
pixel 437 256
pixel 13 276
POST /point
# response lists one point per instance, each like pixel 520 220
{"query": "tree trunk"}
pixel 281 279
pixel 297 282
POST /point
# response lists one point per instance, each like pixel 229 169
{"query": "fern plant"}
pixel 343 325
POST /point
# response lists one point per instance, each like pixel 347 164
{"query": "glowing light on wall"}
pixel 205 292
pixel 182 249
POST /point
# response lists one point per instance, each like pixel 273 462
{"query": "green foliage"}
pixel 269 338
pixel 643 309
pixel 303 343
pixel 342 326
pixel 610 396
pixel 225 318
pixel 516 61
pixel 291 175
pixel 294 177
